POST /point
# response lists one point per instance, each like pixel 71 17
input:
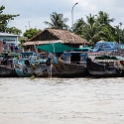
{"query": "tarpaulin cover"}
pixel 55 48
pixel 105 46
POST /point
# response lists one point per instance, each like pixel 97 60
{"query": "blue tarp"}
pixel 106 46
pixel 121 46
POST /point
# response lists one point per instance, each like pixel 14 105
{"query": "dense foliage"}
pixel 31 32
pixel 99 27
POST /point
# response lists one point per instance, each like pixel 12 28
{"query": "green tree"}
pixel 57 21
pixel 107 34
pixel 92 31
pixel 22 40
pixel 103 18
pixel 13 30
pixel 122 36
pixel 79 26
pixel 95 28
pixel 4 19
pixel 31 32
pixel 105 21
pixel 119 34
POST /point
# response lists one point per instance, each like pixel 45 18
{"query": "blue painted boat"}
pixel 24 66
pixel 23 70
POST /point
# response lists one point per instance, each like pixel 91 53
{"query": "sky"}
pixel 33 13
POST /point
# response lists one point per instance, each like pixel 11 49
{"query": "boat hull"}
pixel 61 70
pixel 97 69
pixel 24 71
pixel 6 71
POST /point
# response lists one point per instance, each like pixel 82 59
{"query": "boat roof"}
pixel 30 52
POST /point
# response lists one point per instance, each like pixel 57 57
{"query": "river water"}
pixel 61 101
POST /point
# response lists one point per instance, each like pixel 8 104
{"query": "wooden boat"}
pixel 6 71
pixel 6 65
pixel 105 68
pixel 60 70
pixel 24 66
pixel 72 65
pixel 23 70
pixel 69 70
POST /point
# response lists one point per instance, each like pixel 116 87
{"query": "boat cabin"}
pixel 75 57
pixel 32 57
pixel 28 55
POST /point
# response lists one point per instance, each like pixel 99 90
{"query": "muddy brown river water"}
pixel 61 101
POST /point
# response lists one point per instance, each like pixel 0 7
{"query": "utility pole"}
pixel 26 27
pixel 29 23
pixel 120 24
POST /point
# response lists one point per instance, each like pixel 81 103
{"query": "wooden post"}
pixel 1 46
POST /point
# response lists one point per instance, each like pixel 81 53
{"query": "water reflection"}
pixel 61 101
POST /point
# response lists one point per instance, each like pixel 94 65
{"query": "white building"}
pixel 9 38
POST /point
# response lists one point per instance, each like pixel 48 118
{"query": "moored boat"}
pixel 60 70
pixel 111 67
pixel 6 65
pixel 24 66
pixel 23 70
pixel 6 71
pixel 72 65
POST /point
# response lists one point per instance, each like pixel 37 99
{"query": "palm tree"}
pixel 79 27
pixel 95 28
pixel 92 30
pixel 103 18
pixel 122 36
pixel 57 21
pixel 89 30
pixel 119 34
